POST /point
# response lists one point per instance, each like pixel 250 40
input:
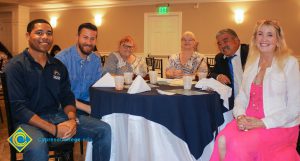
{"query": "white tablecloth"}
pixel 135 138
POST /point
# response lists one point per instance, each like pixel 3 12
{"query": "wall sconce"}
pixel 239 16
pixel 53 21
pixel 98 20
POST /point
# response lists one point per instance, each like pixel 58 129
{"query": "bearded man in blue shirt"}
pixel 83 65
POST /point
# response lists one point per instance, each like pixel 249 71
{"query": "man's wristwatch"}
pixel 76 120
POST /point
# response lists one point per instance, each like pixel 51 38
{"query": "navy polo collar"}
pixel 50 60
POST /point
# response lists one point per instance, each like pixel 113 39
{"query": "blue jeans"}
pixel 89 129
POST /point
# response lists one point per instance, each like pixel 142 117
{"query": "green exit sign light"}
pixel 163 10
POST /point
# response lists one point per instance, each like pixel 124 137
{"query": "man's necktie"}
pixel 229 61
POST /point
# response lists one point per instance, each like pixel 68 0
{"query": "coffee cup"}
pixel 128 77
pixel 119 82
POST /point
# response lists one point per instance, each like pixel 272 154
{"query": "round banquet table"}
pixel 194 120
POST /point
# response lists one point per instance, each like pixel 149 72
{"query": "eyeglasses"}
pixel 127 46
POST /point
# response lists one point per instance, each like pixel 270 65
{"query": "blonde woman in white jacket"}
pixel 267 108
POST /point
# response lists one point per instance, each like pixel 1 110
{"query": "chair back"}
pixel 103 58
pixel 149 62
pixel 211 62
pixel 9 118
pixel 158 64
pixel 210 65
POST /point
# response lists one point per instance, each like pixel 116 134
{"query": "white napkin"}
pixel 106 81
pixel 138 85
pixel 164 92
pixel 223 90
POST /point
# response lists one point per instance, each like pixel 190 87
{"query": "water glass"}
pixel 187 81
pixel 153 77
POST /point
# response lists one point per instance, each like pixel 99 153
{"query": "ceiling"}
pixel 38 5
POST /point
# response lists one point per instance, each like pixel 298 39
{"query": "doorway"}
pixel 162 33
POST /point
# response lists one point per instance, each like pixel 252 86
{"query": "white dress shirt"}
pixel 237 70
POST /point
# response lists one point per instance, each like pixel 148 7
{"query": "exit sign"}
pixel 163 10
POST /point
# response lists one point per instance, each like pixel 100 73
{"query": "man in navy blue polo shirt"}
pixel 42 102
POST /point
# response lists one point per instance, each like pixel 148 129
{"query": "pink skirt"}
pixel 276 144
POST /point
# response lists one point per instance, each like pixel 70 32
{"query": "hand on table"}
pixel 174 73
pixel 223 79
pixel 177 73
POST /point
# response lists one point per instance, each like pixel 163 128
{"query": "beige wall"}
pixel 204 21
pixel 15 23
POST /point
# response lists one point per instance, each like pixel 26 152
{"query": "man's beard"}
pixel 82 50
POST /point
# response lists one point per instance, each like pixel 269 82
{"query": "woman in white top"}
pixel 124 60
pixel 188 61
pixel 267 108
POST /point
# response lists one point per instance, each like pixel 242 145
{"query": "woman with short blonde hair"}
pixel 188 61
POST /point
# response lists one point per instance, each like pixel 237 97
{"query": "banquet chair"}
pixel 211 61
pixel 210 64
pixel 103 58
pixel 149 62
pixel 158 64
pixel 62 151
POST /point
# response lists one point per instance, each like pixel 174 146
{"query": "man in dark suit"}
pixel 230 61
